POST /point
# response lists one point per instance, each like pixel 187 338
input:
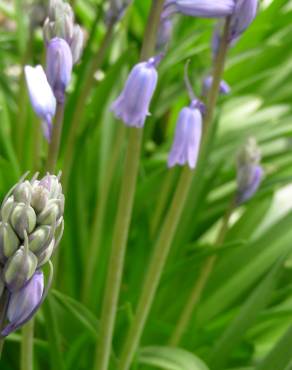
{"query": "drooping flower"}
pixel 41 96
pixel 224 88
pixel 164 33
pixel 244 13
pixel 132 106
pixel 186 145
pixel 24 302
pixel 59 66
pixel 249 171
pixel 199 8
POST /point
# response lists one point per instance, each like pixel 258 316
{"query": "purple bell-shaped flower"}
pixel 224 88
pixel 244 13
pixel 199 8
pixel 59 66
pixel 186 145
pixel 132 106
pixel 24 303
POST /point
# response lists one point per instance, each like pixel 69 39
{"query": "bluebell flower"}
pixel 199 8
pixel 244 13
pixel 164 33
pixel 186 145
pixel 59 66
pixel 249 171
pixel 24 303
pixel 41 96
pixel 132 106
pixel 224 88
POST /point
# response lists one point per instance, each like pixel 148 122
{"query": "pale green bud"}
pixel 45 256
pixel 77 43
pixel 40 238
pixel 19 268
pixel 9 241
pixel 23 219
pixel 22 193
pixel 39 198
pixel 7 208
pixel 52 213
pixel 249 154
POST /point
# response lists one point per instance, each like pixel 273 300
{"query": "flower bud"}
pixel 53 185
pixel 186 145
pixel 7 208
pixel 51 214
pixel 59 66
pixel 23 219
pixel 24 302
pixel 9 241
pixel 224 88
pixel 40 238
pixel 45 256
pixel 77 43
pixel 164 33
pixel 132 106
pixel 39 198
pixel 22 193
pixel 19 268
pixel 244 13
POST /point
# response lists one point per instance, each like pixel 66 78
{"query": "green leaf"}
pixel 169 358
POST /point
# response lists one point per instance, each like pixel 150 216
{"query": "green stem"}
pixel 27 346
pixel 81 103
pixel 56 139
pixel 163 244
pixel 124 213
pixel 200 284
pixel 99 215
pixel 3 310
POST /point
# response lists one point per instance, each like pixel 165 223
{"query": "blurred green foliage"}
pixel 243 321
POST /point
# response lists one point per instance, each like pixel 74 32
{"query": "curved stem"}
pixel 124 213
pixel 163 244
pixel 26 361
pixel 200 284
pixel 81 103
pixel 56 139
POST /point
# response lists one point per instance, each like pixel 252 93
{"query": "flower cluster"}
pixel 132 106
pixel 30 230
pixel 64 44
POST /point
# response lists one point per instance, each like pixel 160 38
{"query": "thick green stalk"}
pixel 3 310
pixel 26 360
pixel 81 103
pixel 200 284
pixel 99 214
pixel 163 244
pixel 124 213
pixel 54 146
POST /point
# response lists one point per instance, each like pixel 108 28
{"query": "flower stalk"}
pixel 124 212
pixel 26 360
pixel 3 310
pixel 162 247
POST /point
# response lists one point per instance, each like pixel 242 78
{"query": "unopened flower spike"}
pixel 31 228
pixel 249 171
pixel 199 8
pixel 186 145
pixel 132 106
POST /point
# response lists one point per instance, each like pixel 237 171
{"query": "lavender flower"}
pixel 164 33
pixel 186 145
pixel 24 302
pixel 244 13
pixel 199 8
pixel 249 171
pixel 132 106
pixel 59 66
pixel 224 88
pixel 41 96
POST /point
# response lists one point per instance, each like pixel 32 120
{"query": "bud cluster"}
pixel 60 24
pixel 31 227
